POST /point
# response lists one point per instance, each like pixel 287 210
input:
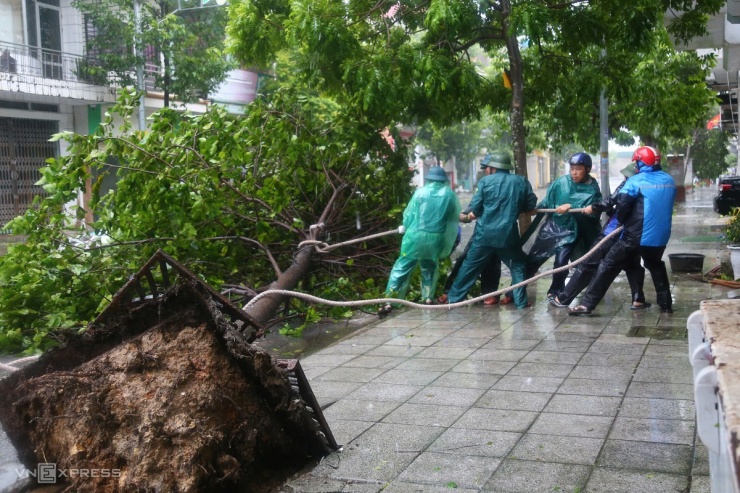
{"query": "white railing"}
pixel 52 64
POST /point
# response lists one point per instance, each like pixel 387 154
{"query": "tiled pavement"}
pixel 497 399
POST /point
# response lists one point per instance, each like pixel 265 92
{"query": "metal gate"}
pixel 24 148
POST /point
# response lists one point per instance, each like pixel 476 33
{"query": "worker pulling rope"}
pixel 315 299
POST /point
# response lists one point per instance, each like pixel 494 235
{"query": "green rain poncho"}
pixel 431 218
pixel 498 210
pixel 581 227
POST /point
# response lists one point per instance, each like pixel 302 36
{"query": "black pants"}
pixel 562 257
pixel 585 271
pixel 490 275
pixel 616 259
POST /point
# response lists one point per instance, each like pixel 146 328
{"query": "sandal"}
pixel 490 301
pixel 579 311
pixel 506 300
pixel 554 301
pixel 644 306
pixel 430 302
pixel 384 311
pixel 442 299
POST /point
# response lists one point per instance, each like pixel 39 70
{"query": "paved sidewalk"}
pixel 497 399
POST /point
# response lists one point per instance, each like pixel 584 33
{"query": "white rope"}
pixel 323 247
pixel 11 367
pixel 315 299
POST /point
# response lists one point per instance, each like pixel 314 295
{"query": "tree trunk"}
pixel 694 136
pixel 266 308
pixel 166 81
pixel 516 114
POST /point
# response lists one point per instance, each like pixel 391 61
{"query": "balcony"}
pixel 50 64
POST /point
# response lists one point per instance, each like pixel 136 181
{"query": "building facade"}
pixel 46 87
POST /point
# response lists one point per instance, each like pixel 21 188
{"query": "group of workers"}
pixel 642 205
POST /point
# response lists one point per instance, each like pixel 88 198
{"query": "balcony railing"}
pixel 52 64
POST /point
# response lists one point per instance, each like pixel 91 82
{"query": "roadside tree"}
pixel 411 60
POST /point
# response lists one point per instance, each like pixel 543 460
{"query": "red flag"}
pixel 714 122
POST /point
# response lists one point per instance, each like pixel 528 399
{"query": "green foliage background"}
pixel 709 153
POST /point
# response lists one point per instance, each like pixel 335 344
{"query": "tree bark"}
pixel 266 308
pixel 166 81
pixel 516 114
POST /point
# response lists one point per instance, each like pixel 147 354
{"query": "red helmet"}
pixel 647 155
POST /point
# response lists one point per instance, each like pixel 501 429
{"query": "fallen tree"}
pixel 231 197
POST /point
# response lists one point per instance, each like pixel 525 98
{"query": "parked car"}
pixel 728 195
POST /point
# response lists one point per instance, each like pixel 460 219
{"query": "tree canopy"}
pixel 415 60
pixel 709 153
pixel 183 50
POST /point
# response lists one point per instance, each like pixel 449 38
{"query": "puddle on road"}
pixel 662 333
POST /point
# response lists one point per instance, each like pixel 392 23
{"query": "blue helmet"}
pixel 436 174
pixel 581 158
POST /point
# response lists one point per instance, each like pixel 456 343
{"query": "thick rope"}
pixel 323 247
pixel 396 301
pixel 11 367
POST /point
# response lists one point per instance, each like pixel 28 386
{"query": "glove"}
pixel 401 229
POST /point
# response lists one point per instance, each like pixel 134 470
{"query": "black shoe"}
pixel 645 305
pixel 667 310
pixel 384 311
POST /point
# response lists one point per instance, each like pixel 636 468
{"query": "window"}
pixel 44 30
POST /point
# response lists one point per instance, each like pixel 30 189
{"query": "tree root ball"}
pixel 171 409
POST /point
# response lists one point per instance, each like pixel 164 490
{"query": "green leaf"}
pixel 61 135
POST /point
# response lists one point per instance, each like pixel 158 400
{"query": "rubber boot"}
pixel 662 288
pixel 636 280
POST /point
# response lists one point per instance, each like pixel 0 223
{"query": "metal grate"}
pixel 302 389
pixel 160 273
pixel 24 148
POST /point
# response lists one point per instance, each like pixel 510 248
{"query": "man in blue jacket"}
pixel 644 207
pixel 586 269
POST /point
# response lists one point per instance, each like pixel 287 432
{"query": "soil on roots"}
pixel 184 404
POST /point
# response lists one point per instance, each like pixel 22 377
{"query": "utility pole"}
pixel 604 133
pixel 604 139
pixel 139 65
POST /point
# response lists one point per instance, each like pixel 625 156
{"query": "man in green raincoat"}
pixel 430 224
pixel 500 199
pixel 565 234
